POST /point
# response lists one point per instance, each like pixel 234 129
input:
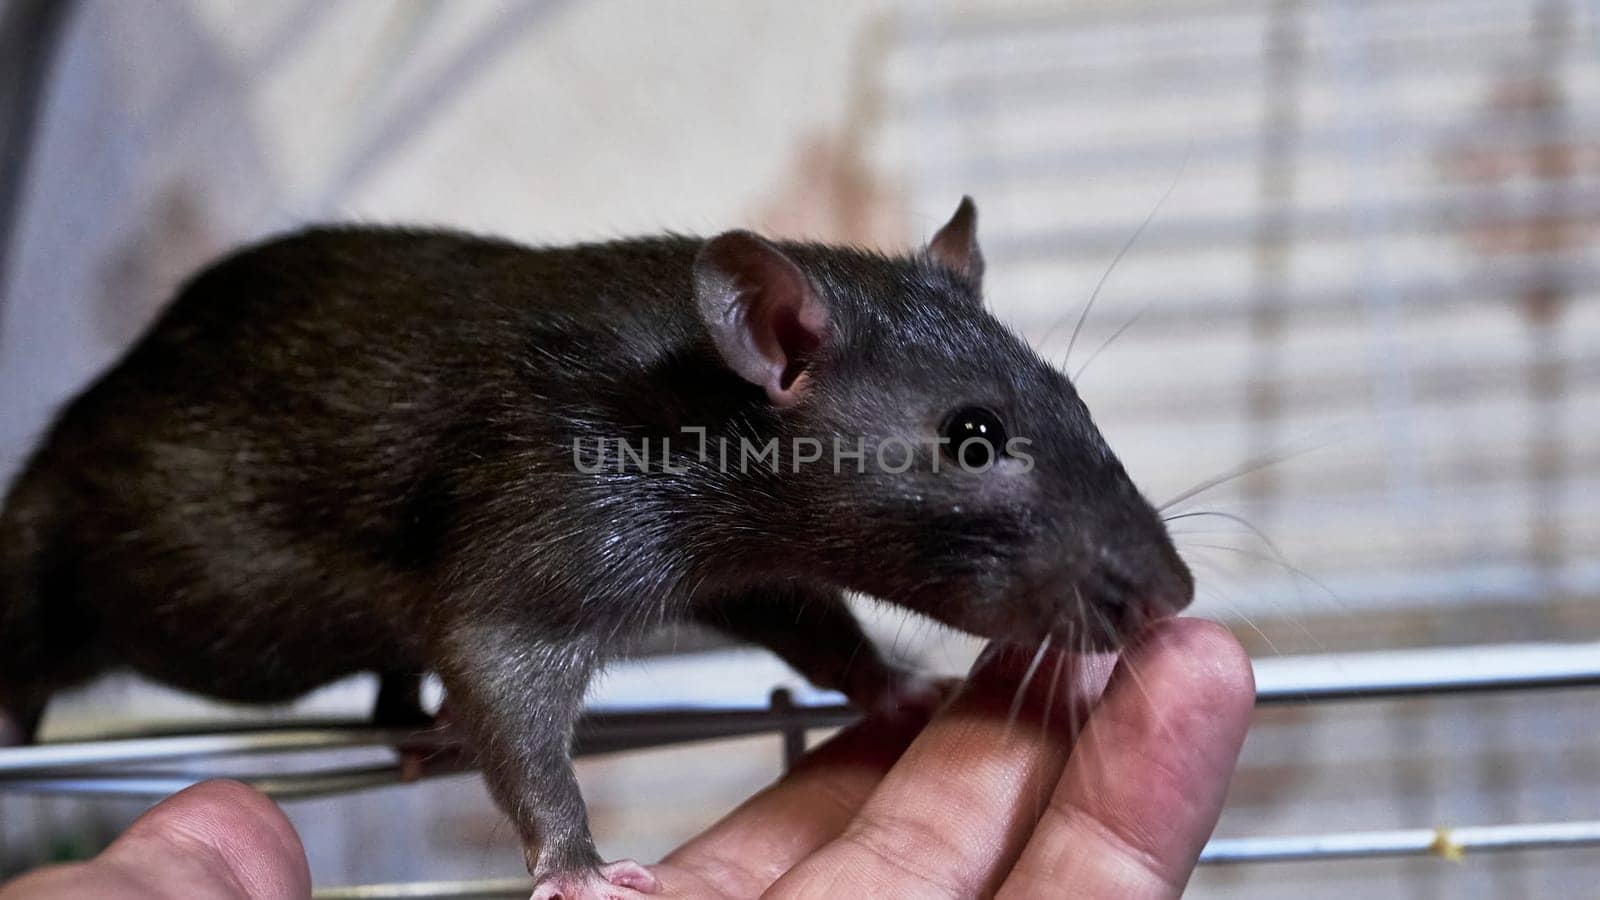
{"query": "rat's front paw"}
pixel 621 880
pixel 895 693
pixel 425 754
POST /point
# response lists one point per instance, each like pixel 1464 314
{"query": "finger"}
pixel 233 824
pixel 744 853
pixel 1146 782
pixel 954 811
pixel 216 839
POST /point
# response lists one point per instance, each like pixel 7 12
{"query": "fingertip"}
pixel 1203 653
pixel 1146 784
pixel 244 830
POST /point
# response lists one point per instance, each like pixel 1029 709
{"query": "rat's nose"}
pixel 1134 586
pixel 1163 588
pixel 1171 587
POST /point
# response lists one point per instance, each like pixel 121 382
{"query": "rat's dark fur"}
pixel 351 450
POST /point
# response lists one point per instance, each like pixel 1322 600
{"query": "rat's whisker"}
pixel 1273 560
pixel 1138 681
pixel 1132 320
pixel 1121 252
pixel 1022 689
pixel 1050 695
pixel 1234 608
pixel 899 631
pixel 1039 786
pixel 1272 547
pixel 1086 743
pixel 1298 623
pixel 1189 531
pixel 1080 635
pixel 1248 467
pixel 1231 517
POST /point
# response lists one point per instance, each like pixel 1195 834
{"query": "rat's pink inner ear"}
pixel 955 246
pixel 762 312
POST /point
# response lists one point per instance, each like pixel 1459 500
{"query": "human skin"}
pixel 1074 796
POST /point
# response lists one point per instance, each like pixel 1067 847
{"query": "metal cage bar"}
pixel 93 766
pixel 99 767
pixel 1446 843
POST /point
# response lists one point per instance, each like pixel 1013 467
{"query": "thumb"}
pixel 218 839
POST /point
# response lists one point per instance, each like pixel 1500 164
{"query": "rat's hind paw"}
pixel 621 880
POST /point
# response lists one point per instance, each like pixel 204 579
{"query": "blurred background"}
pixel 1352 238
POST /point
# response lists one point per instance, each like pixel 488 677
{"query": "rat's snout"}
pixel 1170 586
pixel 1132 586
pixel 1125 582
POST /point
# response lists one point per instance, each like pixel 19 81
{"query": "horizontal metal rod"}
pixel 82 767
pixel 1020 60
pixel 984 88
pixel 1449 843
pixel 1072 20
pixel 1446 843
pixel 488 889
pixel 1062 161
pixel 1461 212
pixel 1414 673
pixel 42 766
pixel 73 755
pixel 1483 287
pixel 113 782
pixel 1440 388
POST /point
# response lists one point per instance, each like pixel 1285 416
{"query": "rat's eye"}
pixel 974 437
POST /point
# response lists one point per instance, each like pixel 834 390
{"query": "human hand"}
pixel 978 805
pixel 973 804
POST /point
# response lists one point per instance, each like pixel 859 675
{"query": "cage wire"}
pixel 1353 239
pixel 1378 248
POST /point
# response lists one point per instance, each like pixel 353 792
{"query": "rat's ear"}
pixel 955 246
pixel 762 312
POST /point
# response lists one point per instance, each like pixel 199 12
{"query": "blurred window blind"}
pixel 1377 256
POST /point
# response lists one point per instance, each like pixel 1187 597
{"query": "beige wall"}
pixel 175 130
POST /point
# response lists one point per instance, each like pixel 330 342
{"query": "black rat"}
pixel 403 451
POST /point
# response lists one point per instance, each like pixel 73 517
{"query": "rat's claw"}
pixel 621 880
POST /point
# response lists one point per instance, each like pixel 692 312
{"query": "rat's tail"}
pixel 20 704
pixel 41 646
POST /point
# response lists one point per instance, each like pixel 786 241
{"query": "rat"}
pixel 397 451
